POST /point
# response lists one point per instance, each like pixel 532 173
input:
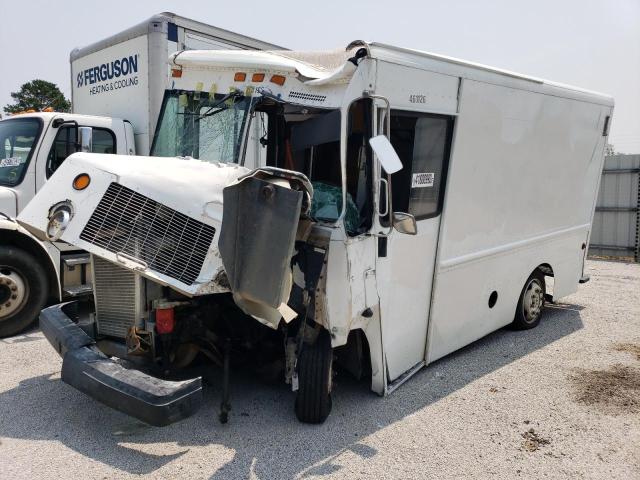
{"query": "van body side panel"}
pixel 405 274
pixel 522 182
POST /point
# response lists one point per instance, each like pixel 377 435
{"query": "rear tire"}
pixel 23 290
pixel 530 303
pixel 313 401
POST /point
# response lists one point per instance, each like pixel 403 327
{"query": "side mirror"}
pixel 386 154
pixel 405 223
pixel 85 139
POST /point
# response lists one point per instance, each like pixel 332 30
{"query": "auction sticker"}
pixel 422 180
pixel 10 162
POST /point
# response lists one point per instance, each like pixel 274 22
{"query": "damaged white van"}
pixel 372 207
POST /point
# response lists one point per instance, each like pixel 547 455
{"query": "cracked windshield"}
pixel 203 126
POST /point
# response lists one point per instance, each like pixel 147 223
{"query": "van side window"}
pixel 359 212
pixel 422 142
pixel 65 144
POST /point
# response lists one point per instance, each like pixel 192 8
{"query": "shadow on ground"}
pixel 263 431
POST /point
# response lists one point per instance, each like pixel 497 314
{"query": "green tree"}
pixel 38 95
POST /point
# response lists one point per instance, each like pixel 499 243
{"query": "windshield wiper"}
pixel 235 94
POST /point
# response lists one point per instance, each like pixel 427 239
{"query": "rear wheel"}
pixel 313 401
pixel 531 302
pixel 23 290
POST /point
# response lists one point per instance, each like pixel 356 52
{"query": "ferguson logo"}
pixel 108 71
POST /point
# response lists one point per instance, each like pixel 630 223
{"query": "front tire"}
pixel 313 401
pixel 23 290
pixel 530 303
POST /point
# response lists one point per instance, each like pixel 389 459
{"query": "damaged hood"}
pixel 165 218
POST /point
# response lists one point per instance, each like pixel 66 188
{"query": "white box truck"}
pixel 406 204
pixel 117 90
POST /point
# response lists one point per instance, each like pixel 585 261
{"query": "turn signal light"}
pixel 239 77
pixel 257 77
pixel 176 72
pixel 81 182
pixel 278 79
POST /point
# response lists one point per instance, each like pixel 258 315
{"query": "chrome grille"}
pixel 167 241
pixel 117 293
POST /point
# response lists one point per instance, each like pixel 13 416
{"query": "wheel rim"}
pixel 532 301
pixel 13 291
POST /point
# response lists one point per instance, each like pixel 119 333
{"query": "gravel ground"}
pixel 559 401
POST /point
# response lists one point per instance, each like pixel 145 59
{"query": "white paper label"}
pixel 10 162
pixel 422 180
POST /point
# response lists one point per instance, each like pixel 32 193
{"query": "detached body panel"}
pixel 154 401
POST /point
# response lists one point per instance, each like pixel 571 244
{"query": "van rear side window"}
pixel 422 142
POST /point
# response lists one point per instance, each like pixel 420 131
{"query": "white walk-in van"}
pixel 117 86
pixel 396 206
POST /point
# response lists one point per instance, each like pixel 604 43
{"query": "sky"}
pixel 592 44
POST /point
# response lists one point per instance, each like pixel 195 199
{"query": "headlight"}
pixel 59 217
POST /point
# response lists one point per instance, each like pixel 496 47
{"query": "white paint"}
pixel 125 96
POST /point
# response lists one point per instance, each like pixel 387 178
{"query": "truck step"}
pixel 76 259
pixel 78 290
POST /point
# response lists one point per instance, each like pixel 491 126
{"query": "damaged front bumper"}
pixel 152 400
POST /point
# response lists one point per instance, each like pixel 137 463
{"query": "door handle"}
pixel 385 182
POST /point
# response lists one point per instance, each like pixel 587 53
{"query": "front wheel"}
pixel 23 290
pixel 313 401
pixel 531 302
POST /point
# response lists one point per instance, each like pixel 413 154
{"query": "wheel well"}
pixel 547 270
pixel 33 247
pixel 355 356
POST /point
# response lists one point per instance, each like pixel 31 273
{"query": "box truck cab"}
pixel 396 206
pixel 32 148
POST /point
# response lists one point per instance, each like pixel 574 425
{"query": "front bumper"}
pixel 152 400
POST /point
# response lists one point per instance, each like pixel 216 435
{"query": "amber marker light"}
pixel 278 79
pixel 176 72
pixel 81 182
pixel 239 77
pixel 257 77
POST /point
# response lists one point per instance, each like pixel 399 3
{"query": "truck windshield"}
pixel 17 140
pixel 200 125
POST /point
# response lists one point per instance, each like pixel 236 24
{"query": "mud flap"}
pixel 259 225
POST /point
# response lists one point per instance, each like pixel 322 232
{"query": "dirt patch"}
pixel 615 390
pixel 632 348
pixel 533 441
